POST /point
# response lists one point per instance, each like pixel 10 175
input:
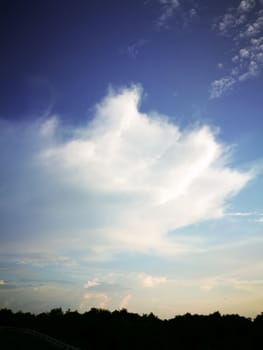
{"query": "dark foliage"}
pixel 102 329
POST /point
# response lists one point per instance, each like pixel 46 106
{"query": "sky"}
pixel 131 156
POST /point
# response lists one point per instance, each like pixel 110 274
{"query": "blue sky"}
pixel 131 156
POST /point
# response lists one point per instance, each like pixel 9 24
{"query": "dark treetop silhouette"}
pixel 102 329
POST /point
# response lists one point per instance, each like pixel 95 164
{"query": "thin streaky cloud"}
pixel 244 214
pixel 133 49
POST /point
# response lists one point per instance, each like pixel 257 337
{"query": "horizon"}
pixel 60 311
pixel 131 152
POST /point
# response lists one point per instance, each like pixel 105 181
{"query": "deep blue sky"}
pixel 63 57
pixel 197 64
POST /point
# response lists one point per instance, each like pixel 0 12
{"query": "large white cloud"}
pixel 124 180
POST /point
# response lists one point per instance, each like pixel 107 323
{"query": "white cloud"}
pixel 244 53
pixel 228 21
pixel 134 48
pixel 252 71
pixel 257 217
pixel 39 259
pixel 48 127
pixel 249 286
pixel 192 13
pixel 259 57
pixel 220 86
pixel 246 5
pixel 235 59
pixel 235 72
pixel 234 17
pixel 120 183
pixel 125 301
pixel 94 300
pixel 243 25
pixel 169 8
pixel 183 11
pixel 254 27
pixel 242 213
pixel 151 281
pixel 91 283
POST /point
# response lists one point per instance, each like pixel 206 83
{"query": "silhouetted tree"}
pixel 120 329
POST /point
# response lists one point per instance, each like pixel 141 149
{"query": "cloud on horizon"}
pixel 120 183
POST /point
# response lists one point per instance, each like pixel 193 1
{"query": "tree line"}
pixel 120 329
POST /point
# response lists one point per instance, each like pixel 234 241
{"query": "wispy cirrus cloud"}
pixel 244 26
pixel 248 213
pixel 169 9
pixel 134 48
